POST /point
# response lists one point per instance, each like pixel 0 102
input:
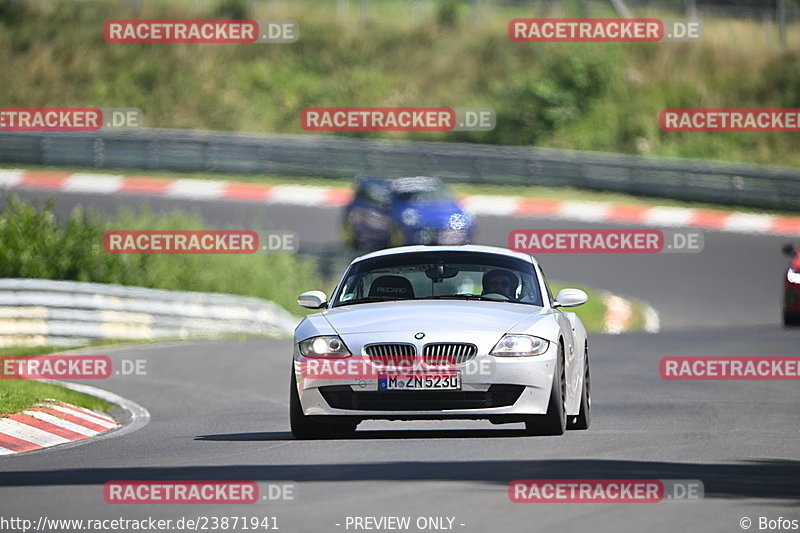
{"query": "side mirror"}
pixel 570 298
pixel 788 249
pixel 312 300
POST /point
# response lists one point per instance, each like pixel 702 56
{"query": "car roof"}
pixel 416 184
pixel 403 184
pixel 447 248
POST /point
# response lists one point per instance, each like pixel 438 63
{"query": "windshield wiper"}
pixel 472 297
pixel 367 299
pixel 461 297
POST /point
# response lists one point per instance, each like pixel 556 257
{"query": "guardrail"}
pixel 67 313
pixel 341 157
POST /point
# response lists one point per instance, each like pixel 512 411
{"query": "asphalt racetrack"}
pixel 219 411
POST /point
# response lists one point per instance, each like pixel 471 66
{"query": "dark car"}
pixel 791 288
pixel 404 211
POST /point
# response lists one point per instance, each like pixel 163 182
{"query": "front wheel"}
pixel 791 319
pixel 302 427
pixel 554 422
pixel 583 420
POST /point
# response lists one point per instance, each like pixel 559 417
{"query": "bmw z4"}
pixel 441 332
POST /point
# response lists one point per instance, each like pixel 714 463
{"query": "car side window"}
pixel 374 194
pixel 353 289
pixel 365 192
pixel 361 193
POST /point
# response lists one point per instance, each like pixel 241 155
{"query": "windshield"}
pixel 440 275
pixel 426 196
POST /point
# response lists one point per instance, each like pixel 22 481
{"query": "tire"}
pixel 349 234
pixel 584 418
pixel 349 237
pixel 306 429
pixel 302 427
pixel 791 319
pixel 554 422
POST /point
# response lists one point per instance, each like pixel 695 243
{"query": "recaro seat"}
pixel 391 287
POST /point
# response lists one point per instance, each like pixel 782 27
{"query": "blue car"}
pixel 403 211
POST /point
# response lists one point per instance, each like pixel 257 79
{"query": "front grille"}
pixel 343 397
pixel 448 354
pixel 396 355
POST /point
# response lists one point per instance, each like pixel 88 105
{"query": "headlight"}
pixel 520 346
pixel 793 276
pixel 458 221
pixel 325 346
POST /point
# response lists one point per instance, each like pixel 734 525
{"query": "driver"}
pixel 500 282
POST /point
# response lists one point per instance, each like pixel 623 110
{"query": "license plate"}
pixel 420 382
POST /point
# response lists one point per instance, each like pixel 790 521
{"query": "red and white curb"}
pixel 49 424
pixel 311 196
pixel 37 439
pixel 619 315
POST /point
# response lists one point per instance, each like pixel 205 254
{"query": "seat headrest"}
pixel 391 287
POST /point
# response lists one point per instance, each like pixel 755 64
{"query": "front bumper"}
pixel 491 387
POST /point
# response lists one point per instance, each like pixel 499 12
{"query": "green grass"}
pixel 29 350
pixel 584 96
pixel 19 394
pixel 34 244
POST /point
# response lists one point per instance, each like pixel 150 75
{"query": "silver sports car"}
pixel 441 332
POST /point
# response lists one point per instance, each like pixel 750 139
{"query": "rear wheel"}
pixel 791 319
pixel 554 422
pixel 583 420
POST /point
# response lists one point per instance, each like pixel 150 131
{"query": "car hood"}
pixel 475 316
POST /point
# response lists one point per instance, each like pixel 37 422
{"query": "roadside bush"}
pixel 538 104
pixel 231 9
pixel 35 244
pixel 11 11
